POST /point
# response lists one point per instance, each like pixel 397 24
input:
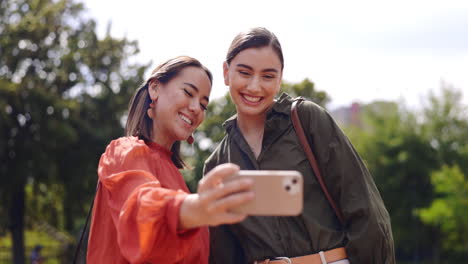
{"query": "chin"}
pixel 252 111
pixel 182 136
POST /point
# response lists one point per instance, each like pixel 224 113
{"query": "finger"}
pixel 220 172
pixel 231 201
pixel 216 175
pixel 235 186
pixel 231 218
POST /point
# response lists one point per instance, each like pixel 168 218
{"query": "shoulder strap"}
pixel 313 162
pixel 78 247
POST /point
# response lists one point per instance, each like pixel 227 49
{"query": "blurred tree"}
pixel 401 162
pixel 445 126
pixel 63 93
pixel 403 149
pixel 445 129
pixel 449 210
pixel 211 132
pixel 306 89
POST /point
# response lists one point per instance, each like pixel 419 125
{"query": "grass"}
pixel 51 247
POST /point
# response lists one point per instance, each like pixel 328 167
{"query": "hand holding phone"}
pixel 212 203
pixel 276 192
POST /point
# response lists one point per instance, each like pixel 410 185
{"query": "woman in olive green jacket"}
pixel 261 137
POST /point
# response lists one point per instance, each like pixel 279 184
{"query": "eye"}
pixel 204 107
pixel 269 76
pixel 245 73
pixel 188 93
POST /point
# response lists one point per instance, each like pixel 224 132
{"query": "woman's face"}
pixel 254 79
pixel 181 105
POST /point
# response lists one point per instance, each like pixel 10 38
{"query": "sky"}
pixel 356 51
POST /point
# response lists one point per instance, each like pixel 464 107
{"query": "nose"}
pixel 254 84
pixel 194 106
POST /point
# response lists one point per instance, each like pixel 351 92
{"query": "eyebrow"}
pixel 196 89
pixel 250 68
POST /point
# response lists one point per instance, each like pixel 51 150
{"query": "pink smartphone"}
pixel 277 192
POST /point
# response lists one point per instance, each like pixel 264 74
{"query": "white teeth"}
pixel 252 99
pixel 186 120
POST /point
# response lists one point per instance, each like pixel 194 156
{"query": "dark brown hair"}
pixel 255 38
pixel 138 122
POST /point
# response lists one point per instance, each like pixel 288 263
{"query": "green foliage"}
pixel 44 203
pixel 400 162
pixel 408 153
pixel 445 130
pixel 449 210
pixel 306 89
pixel 52 249
pixel 446 126
pixel 63 93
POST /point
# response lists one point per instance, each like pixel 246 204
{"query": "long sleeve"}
pixel 144 213
pixel 368 228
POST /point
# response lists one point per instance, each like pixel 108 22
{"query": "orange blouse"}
pixel 136 209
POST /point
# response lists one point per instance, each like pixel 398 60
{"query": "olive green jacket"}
pixel 367 234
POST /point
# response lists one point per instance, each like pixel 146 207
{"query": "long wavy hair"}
pixel 139 124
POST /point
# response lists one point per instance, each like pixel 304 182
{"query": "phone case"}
pixel 277 193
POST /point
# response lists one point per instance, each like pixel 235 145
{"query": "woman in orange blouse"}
pixel 143 211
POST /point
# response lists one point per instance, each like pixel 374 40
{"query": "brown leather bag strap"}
pixel 313 162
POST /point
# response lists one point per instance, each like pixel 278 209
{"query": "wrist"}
pixel 188 214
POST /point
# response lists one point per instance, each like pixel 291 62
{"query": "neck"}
pixel 252 128
pixel 249 125
pixel 162 140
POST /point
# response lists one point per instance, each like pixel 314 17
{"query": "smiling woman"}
pixel 262 137
pixel 144 118
pixel 181 101
pixel 143 212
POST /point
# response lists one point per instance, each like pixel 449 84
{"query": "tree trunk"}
pixel 68 210
pixel 17 225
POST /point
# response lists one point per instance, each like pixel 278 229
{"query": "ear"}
pixel 153 88
pixel 226 73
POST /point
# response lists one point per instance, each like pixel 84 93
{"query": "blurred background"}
pixel 393 75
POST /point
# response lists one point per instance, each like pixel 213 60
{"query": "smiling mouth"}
pixel 251 99
pixel 185 119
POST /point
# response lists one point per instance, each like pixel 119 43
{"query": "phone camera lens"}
pixel 288 188
pixel 294 181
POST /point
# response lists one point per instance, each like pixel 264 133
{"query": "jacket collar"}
pixel 282 105
pixel 278 122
